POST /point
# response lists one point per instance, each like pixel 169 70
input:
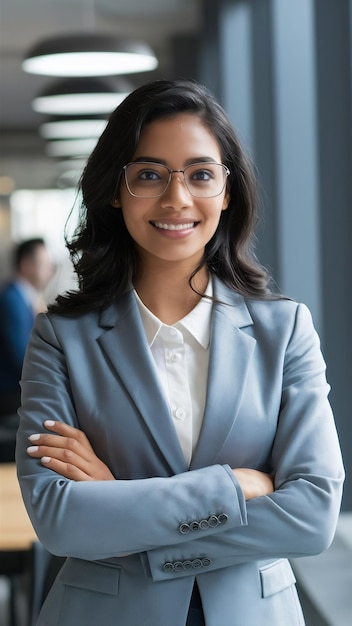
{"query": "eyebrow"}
pixel 191 161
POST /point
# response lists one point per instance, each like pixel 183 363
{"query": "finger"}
pixel 92 469
pixel 66 443
pixel 65 469
pixel 65 430
pixel 60 454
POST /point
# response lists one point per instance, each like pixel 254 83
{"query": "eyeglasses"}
pixel 150 180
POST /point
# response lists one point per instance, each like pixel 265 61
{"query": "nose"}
pixel 176 194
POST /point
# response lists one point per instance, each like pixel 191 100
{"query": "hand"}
pixel 253 482
pixel 69 455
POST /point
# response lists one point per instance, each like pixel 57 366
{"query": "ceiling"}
pixel 24 22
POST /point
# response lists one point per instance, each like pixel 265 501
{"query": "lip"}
pixel 174 229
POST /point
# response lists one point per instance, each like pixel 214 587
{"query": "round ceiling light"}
pixel 82 96
pixel 72 128
pixel 71 147
pixel 89 55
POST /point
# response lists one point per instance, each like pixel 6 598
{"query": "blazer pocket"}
pixel 275 577
pixel 91 575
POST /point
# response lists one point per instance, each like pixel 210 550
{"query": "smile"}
pixel 185 226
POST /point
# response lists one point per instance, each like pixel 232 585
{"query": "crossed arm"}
pixel 295 519
pixel 71 455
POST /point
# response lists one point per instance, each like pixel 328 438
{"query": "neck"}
pixel 167 293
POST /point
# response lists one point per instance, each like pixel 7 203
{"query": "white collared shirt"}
pixel 181 356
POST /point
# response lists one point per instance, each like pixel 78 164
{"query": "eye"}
pixel 149 175
pixel 201 175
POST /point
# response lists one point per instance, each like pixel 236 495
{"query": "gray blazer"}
pixel 266 408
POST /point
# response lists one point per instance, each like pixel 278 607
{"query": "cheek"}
pixel 134 221
pixel 128 221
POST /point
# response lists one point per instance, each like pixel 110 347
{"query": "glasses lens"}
pixel 146 180
pixel 205 180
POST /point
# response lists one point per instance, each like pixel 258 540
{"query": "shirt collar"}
pixel 196 322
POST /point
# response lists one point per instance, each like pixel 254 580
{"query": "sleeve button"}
pixel 204 524
pixel 223 518
pixel 213 521
pixel 194 525
pixel 168 567
pixel 196 563
pixel 206 562
pixel 184 529
pixel 187 564
pixel 178 566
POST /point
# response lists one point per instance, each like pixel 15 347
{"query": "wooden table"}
pixel 16 533
pixel 16 530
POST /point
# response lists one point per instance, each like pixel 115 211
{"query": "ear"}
pixel 226 201
pixel 116 203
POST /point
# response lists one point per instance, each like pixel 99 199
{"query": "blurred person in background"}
pixel 21 298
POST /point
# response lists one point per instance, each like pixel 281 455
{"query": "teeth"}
pixel 173 226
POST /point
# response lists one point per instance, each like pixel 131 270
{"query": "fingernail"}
pixel 49 423
pixel 34 437
pixel 45 459
pixel 32 449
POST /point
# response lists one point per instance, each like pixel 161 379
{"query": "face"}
pixel 176 226
pixel 38 269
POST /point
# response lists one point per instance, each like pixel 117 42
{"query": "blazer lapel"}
pixel 124 343
pixel 231 352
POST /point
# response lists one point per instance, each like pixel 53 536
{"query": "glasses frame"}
pixel 225 169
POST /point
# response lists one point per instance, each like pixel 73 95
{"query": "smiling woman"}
pixel 176 408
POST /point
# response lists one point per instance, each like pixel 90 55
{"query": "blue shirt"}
pixel 16 321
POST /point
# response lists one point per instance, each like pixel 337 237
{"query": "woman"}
pixel 188 446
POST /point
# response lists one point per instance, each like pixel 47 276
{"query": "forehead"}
pixel 183 132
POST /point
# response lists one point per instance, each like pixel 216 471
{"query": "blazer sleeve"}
pixel 103 519
pixel 300 517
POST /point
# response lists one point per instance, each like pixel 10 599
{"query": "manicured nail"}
pixel 34 437
pixel 49 423
pixel 32 449
pixel 45 459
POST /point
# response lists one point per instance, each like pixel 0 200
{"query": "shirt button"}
pixel 180 413
pixel 173 357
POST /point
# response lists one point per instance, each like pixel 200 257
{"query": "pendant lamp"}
pixel 72 127
pixel 71 147
pixel 82 96
pixel 89 55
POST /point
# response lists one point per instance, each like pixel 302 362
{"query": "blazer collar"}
pixel 231 349
pixel 125 345
pixel 229 361
pixel 231 304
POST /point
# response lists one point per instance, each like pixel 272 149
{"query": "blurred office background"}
pixel 282 70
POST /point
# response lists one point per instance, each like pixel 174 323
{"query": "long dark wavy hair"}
pixel 102 251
